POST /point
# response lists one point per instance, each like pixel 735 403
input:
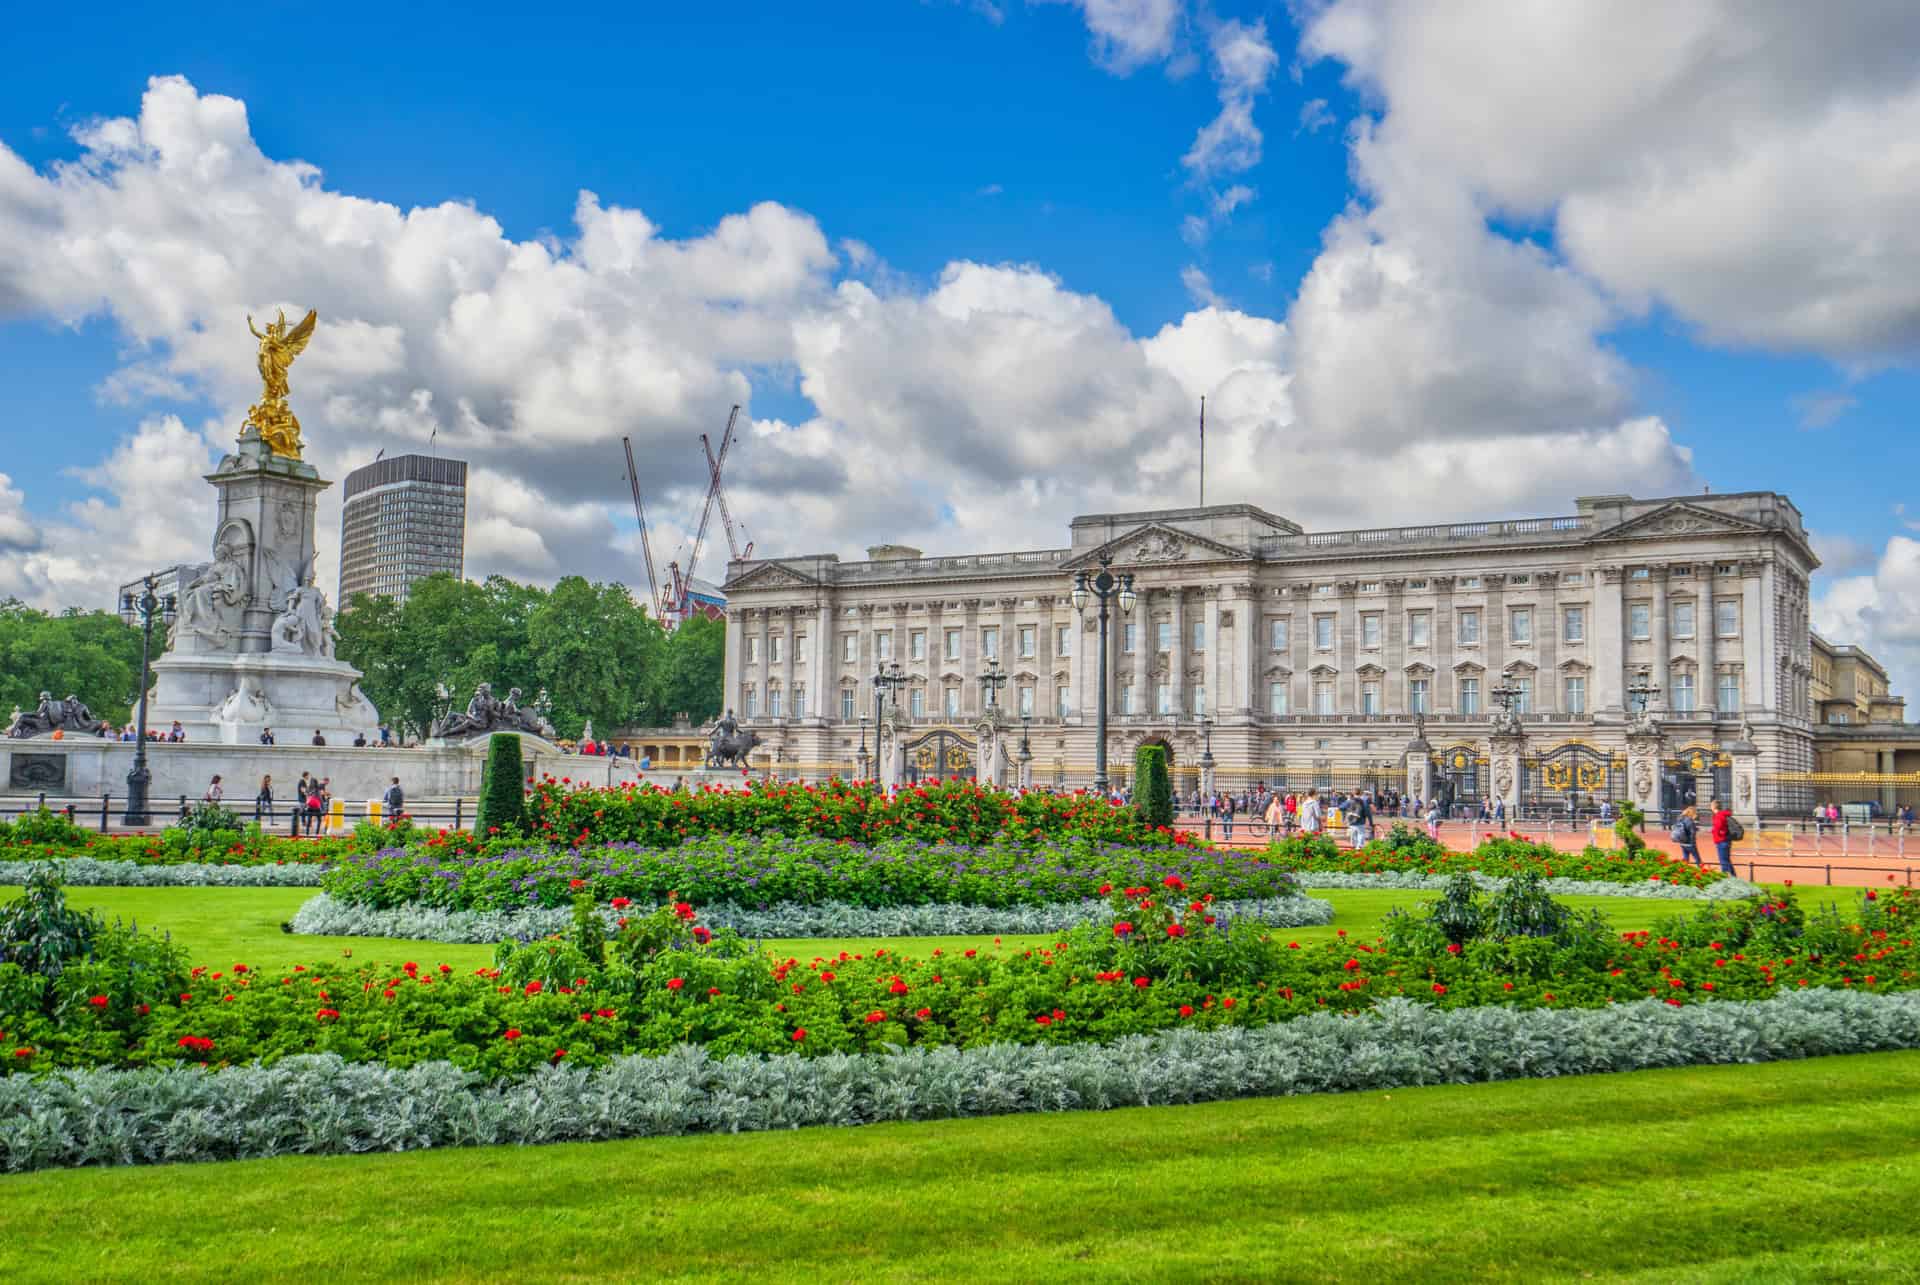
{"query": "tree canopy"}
pixel 592 647
pixel 90 654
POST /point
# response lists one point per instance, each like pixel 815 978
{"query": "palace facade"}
pixel 1304 657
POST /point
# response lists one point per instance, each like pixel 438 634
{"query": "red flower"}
pixel 1142 982
pixel 828 976
pixel 1043 1020
pixel 446 968
pixel 702 934
pixel 196 1043
pixel 1186 1010
pixel 1351 965
pixel 535 986
pixel 898 988
pixel 603 1012
pixel 576 883
pixel 675 983
pixel 389 992
pixel 1453 948
pixel 1122 928
pixel 98 1001
pixel 558 1054
pixel 23 1052
pixel 327 1015
pixel 621 903
pixel 1228 1002
pixel 1438 989
pixel 1174 882
pixel 1176 930
pixel 923 1013
pixel 513 1033
pixel 876 1016
pixel 799 1034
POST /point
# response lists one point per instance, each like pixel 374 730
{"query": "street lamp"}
pixel 863 745
pixel 1206 763
pixel 146 606
pixel 1506 693
pixel 886 678
pixel 992 681
pixel 1642 690
pixel 1103 586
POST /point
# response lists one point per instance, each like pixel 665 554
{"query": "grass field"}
pixel 222 926
pixel 1794 1171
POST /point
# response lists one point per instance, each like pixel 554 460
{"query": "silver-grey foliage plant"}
pixel 321 1104
pixel 326 916
pixel 80 872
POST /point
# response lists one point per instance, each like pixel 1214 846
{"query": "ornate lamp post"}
pixel 146 606
pixel 1506 692
pixel 1206 767
pixel 863 746
pixel 1103 586
pixel 885 679
pixel 1642 690
pixel 992 681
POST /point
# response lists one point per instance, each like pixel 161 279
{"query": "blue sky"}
pixel 1006 135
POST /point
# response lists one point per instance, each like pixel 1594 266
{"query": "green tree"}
pixel 692 671
pixel 92 654
pixel 594 647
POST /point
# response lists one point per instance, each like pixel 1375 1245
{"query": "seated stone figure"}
pixel 68 717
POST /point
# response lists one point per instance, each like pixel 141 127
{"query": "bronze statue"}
pixel 67 716
pixel 729 746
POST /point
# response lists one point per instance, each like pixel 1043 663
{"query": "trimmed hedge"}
pixel 502 787
pixel 1152 786
pixel 323 1105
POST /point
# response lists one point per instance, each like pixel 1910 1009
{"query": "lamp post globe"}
pixel 1103 587
pixel 147 606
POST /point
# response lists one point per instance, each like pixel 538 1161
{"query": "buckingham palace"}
pixel 1678 626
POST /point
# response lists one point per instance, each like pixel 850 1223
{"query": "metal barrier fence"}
pixel 104 812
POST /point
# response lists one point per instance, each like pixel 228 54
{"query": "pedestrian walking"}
pixel 1310 813
pixel 1726 832
pixel 214 793
pixel 1359 817
pixel 1686 833
pixel 314 805
pixel 394 800
pixel 263 801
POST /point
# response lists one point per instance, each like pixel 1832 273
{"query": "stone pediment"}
pixel 1156 544
pixel 1679 519
pixel 771 575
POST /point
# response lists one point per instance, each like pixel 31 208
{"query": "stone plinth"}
pixel 230 698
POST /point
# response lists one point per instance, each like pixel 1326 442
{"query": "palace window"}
pixel 1523 699
pixel 1419 700
pixel 917 703
pixel 1026 700
pixel 1469 582
pixel 952 644
pixel 1419 627
pixel 1370 697
pixel 1520 625
pixel 1129 702
pixel 1639 622
pixel 1575 699
pixel 1727 619
pixel 1683 620
pixel 1323 633
pixel 1469 627
pixel 1323 697
pixel 1682 689
pixel 1469 696
pixel 950 702
pixel 1277 633
pixel 1370 629
pixel 776 644
pixel 753 651
pixel 752 701
pixel 917 645
pixel 849 647
pixel 773 702
pixel 1199 635
pixel 1727 695
pixel 1162 698
pixel 1573 577
pixel 1027 636
pixel 1063 640
pixel 799 700
pixel 1277 697
pixel 1197 699
pixel 990 643
pixel 799 649
pixel 1574 624
pixel 883 645
pixel 1163 635
pixel 846 705
pixel 1063 701
pixel 1127 636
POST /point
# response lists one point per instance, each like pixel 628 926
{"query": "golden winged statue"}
pixel 271 418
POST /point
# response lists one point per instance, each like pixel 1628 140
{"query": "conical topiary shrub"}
pixel 502 787
pixel 1152 786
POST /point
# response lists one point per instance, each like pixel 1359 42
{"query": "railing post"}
pixel 43 798
pixel 1829 874
pixel 106 809
pixel 459 807
pixel 69 811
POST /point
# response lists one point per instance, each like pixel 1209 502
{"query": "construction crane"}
pixel 682 587
pixel 720 496
pixel 655 598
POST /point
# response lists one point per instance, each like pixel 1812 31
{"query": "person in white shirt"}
pixel 214 793
pixel 1310 813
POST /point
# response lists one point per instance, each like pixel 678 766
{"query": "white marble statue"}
pixel 211 606
pixel 246 705
pixel 305 626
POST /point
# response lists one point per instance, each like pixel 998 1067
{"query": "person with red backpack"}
pixel 1726 832
pixel 316 804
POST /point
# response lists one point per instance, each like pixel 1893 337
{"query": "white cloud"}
pixel 1129 34
pixel 1314 116
pixel 1821 409
pixel 1879 610
pixel 1750 164
pixel 18 533
pixel 1840 555
pixel 1199 287
pixel 1243 61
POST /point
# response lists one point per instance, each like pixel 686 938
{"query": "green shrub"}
pixel 46 827
pixel 1152 786
pixel 502 787
pixel 39 932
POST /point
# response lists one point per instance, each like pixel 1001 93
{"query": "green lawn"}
pixel 223 926
pixel 1783 1172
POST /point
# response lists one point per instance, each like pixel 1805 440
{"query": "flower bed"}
pixel 1724 889
pixel 958 812
pixel 90 872
pixel 1406 852
pixel 764 872
pixel 664 980
pixel 325 1104
pixel 325 916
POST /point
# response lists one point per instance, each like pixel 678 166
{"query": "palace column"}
pixel 866 661
pixel 1706 627
pixel 1247 627
pixel 1443 697
pixel 1219 693
pixel 1393 694
pixel 735 681
pixel 790 618
pixel 823 663
pixel 1346 643
pixel 1143 645
pixel 1177 653
pixel 1609 639
pixel 1661 627
pixel 1300 638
